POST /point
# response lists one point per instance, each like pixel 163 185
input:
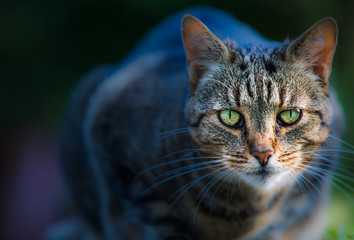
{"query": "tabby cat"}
pixel 228 149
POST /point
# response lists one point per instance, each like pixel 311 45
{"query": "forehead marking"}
pixel 248 89
pixel 274 98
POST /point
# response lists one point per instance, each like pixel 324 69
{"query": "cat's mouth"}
pixel 263 178
pixel 265 172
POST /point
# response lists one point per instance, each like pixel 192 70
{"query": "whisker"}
pixel 177 175
pixel 337 156
pixel 337 165
pixel 333 183
pixel 181 169
pixel 330 150
pixel 336 169
pixel 291 172
pixel 193 150
pixel 301 175
pixel 171 162
pixel 171 131
pixel 328 160
pixel 208 186
pixel 300 178
pixel 340 140
pixel 333 175
pixel 228 186
pixel 228 173
pixel 233 176
pixel 187 186
pixel 173 134
pixel 343 192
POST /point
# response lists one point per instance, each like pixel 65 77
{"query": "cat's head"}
pixel 263 109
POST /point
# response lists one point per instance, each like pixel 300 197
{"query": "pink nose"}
pixel 262 156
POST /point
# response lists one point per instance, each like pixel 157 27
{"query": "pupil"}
pixel 229 114
pixel 290 113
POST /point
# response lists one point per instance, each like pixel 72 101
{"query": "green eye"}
pixel 289 117
pixel 229 117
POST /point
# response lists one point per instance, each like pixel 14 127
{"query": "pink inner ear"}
pixel 193 31
pixel 196 45
pixel 201 47
pixel 330 44
pixel 194 50
pixel 323 51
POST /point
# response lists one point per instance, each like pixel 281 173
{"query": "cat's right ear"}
pixel 202 48
pixel 314 49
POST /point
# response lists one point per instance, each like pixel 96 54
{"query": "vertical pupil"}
pixel 290 116
pixel 230 114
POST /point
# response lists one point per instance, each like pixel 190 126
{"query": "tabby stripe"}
pixel 237 161
pixel 243 66
pixel 275 199
pixel 238 156
pixel 269 88
pixel 249 90
pixel 319 114
pixel 197 124
pixel 287 154
pixel 287 160
pixel 270 67
pixel 237 96
pixel 224 213
pixel 282 94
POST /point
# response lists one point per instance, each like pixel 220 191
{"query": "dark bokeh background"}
pixel 46 46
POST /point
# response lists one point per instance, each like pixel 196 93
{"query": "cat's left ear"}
pixel 315 48
pixel 202 48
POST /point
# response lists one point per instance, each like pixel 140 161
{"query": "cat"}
pixel 227 149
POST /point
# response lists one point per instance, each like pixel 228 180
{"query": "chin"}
pixel 265 180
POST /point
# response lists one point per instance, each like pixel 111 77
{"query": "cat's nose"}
pixel 262 156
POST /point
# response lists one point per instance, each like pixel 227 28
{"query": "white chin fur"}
pixel 260 182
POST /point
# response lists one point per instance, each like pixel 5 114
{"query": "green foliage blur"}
pixel 46 46
pixel 339 233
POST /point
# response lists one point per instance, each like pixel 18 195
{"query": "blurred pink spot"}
pixel 34 189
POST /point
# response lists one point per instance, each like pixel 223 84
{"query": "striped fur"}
pixel 161 164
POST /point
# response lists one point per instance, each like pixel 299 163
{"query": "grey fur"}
pixel 118 139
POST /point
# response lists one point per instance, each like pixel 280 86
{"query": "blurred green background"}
pixel 46 46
